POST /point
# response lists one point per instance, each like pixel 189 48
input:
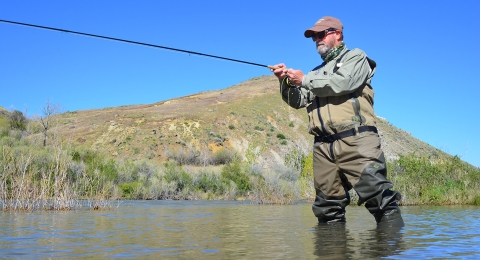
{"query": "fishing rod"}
pixel 135 42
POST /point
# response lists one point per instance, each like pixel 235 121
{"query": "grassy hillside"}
pixel 248 114
pixel 242 142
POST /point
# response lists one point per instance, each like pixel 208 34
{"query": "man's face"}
pixel 325 44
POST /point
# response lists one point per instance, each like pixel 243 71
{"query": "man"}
pixel 338 97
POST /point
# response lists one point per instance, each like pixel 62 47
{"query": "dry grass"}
pixel 40 179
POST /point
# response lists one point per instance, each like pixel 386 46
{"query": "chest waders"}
pixel 352 159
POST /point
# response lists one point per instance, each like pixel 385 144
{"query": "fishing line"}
pixel 139 43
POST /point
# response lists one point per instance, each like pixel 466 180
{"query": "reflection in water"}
pixel 383 242
pixel 331 241
pixel 236 230
pixel 336 241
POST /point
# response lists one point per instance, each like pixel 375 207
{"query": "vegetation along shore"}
pixel 239 143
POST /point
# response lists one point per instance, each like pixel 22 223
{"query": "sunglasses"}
pixel 322 34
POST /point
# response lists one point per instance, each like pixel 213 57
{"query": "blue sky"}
pixel 426 52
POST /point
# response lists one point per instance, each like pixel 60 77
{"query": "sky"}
pixel 426 53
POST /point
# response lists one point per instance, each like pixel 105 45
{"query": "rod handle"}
pixel 272 67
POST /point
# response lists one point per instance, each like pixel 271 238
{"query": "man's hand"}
pixel 279 70
pixel 295 77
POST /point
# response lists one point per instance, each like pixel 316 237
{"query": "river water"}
pixel 236 230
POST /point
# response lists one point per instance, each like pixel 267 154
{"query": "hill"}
pixel 247 116
pixel 3 112
pixel 117 153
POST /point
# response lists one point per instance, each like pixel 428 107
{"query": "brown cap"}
pixel 324 23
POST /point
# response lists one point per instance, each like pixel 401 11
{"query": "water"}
pixel 236 230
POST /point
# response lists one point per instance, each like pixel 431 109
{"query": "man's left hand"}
pixel 295 77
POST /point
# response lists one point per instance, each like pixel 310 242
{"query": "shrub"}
pixel 182 156
pixel 223 156
pixel 307 171
pixel 272 189
pixel 434 180
pixel 4 132
pixel 236 172
pixel 144 170
pixel 209 182
pixel 281 136
pixel 48 178
pixel 129 189
pixel 17 120
pixel 4 121
pixel 476 201
pixel 295 159
pixel 96 161
pixel 176 174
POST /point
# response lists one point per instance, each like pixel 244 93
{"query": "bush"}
pixel 176 174
pixel 4 132
pixel 307 171
pixel 434 180
pixel 281 136
pixel 476 201
pixel 236 172
pixel 18 121
pixel 48 178
pixel 271 188
pixel 223 156
pixel 209 182
pixel 182 156
pixel 129 189
pixel 258 128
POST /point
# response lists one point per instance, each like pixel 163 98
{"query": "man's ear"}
pixel 338 35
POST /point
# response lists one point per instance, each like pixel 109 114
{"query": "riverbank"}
pixel 56 177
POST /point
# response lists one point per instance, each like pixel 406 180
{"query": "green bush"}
pixel 17 120
pixel 176 174
pixel 435 180
pixel 96 161
pixel 236 172
pixel 281 136
pixel 307 166
pixel 129 189
pixel 4 122
pixel 476 201
pixel 223 156
pixel 295 159
pixel 209 182
pixel 4 132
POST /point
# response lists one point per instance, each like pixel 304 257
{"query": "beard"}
pixel 325 48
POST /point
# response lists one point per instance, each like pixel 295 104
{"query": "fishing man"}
pixel 338 96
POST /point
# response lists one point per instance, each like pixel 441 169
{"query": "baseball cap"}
pixel 324 23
